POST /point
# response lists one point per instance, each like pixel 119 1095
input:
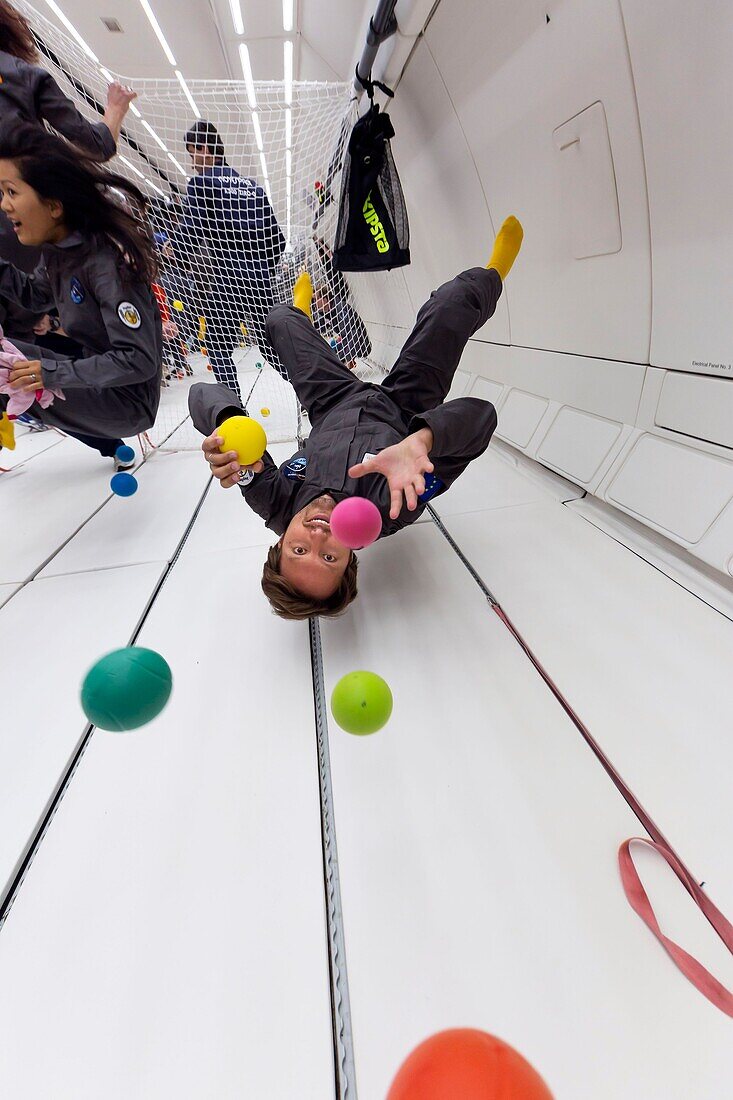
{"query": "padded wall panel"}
pixel 611 390
pixel 679 490
pixel 450 225
pixel 695 406
pixel 513 79
pixel 577 443
pixel 520 417
pixel 680 54
pixel 488 391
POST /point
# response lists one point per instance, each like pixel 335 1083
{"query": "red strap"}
pixel 637 898
pixel 635 892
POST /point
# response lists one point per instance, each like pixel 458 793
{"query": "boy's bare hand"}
pixel 404 465
pixel 225 467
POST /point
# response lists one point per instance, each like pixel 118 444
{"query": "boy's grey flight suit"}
pixel 352 418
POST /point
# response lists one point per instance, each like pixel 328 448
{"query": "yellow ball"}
pixel 264 412
pixel 245 436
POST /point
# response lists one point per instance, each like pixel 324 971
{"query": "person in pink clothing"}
pixel 20 401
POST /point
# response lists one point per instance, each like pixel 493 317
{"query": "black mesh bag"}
pixel 373 233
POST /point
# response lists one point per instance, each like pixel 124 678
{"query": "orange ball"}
pixel 465 1064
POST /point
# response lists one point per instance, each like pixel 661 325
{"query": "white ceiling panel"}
pixel 136 51
pixel 327 35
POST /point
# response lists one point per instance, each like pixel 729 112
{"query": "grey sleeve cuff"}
pixel 107 141
pixel 53 373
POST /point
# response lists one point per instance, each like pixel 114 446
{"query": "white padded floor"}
pixel 169 937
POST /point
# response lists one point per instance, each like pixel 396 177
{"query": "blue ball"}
pixel 125 453
pixel 123 485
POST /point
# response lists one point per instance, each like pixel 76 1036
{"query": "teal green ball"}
pixel 126 688
pixel 361 702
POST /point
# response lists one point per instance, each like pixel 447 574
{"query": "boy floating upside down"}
pixel 398 443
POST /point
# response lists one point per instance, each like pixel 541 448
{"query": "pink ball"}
pixel 356 522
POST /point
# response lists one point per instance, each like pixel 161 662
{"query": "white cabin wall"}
pixel 490 94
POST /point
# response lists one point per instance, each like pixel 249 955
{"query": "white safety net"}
pixel 235 226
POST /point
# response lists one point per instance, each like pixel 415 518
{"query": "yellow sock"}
pixel 7 433
pixel 506 246
pixel 303 293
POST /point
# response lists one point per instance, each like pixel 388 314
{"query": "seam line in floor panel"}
pixel 22 866
pixel 343 1046
pixel 89 518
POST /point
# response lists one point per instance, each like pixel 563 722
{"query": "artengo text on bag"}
pixel 377 229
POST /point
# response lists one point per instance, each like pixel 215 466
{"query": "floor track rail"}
pixel 343 1048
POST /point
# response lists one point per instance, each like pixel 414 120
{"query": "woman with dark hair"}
pixel 99 263
pixel 30 94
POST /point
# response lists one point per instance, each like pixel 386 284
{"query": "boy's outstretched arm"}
pixel 404 465
pixel 462 430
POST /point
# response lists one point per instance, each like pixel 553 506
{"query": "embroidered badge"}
pixel 129 315
pixel 295 470
pixel 433 485
pixel 78 293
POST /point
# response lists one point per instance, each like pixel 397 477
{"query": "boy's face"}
pixel 312 560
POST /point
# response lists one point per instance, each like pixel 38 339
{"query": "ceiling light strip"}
pixel 288 67
pixel 258 131
pixel 151 184
pixel 287 15
pixel 187 93
pixel 72 30
pixel 158 32
pixel 153 134
pixel 142 176
pixel 236 9
pixel 132 167
pixel 178 165
pixel 247 73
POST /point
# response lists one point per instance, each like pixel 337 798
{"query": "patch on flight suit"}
pixel 129 315
pixel 77 291
pixel 433 485
pixel 295 470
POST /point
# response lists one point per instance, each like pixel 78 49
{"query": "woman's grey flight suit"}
pixel 30 94
pixel 352 418
pixel 114 390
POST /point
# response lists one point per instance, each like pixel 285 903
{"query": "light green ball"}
pixel 361 702
pixel 126 688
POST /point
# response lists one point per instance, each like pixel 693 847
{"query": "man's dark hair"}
pixel 205 135
pixel 288 603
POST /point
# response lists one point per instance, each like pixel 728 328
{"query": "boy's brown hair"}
pixel 288 603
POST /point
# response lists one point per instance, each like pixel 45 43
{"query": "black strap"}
pixel 369 85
